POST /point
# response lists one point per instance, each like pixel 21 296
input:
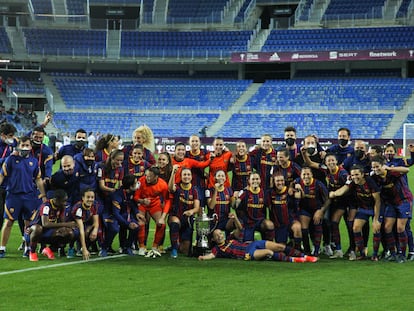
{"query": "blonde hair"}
pixel 147 135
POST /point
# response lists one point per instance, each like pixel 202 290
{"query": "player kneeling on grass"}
pixel 49 226
pixel 256 250
pixel 85 215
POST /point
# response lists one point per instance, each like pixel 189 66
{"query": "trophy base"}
pixel 200 251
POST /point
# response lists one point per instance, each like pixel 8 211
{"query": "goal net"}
pixel 408 138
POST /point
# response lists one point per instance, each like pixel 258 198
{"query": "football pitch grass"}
pixel 122 282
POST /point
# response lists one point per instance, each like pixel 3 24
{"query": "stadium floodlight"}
pixel 408 137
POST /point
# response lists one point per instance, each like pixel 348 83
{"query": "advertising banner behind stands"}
pixel 322 56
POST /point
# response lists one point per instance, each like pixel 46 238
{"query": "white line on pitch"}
pixel 60 264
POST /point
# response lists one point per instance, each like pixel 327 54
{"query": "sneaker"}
pixel 337 254
pixel 93 249
pixel 142 251
pixel 103 253
pixel 156 252
pixel 79 253
pixel 410 257
pixel 61 252
pixel 174 253
pixel 26 252
pixel 374 258
pixel 352 256
pixel 311 258
pixel 327 250
pixel 391 258
pixel 21 246
pixel 401 258
pixel 2 254
pixel 33 256
pixel 71 253
pixel 111 251
pixel 161 249
pixel 128 251
pixel 362 257
pixel 313 252
pixel 386 255
pixel 48 252
pixel 298 259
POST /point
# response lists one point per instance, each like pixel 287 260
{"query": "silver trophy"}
pixel 204 227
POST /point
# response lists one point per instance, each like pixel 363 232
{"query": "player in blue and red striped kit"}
pixel 336 177
pixel 289 169
pixel 125 216
pixel 198 154
pixel 85 215
pixel 313 201
pixel 242 167
pixel 283 213
pixel 368 203
pixel 398 201
pixel 136 164
pixel 263 159
pixel 251 209
pixel 219 200
pixel 185 205
pixel 49 226
pixel 255 250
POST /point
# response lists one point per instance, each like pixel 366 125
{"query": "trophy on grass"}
pixel 204 227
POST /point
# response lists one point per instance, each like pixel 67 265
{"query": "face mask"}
pixel 343 142
pixel 359 154
pixel 24 152
pixel 36 144
pixel 311 150
pixel 389 156
pixel 68 172
pixel 89 162
pixel 290 141
pixel 9 141
pixel 80 143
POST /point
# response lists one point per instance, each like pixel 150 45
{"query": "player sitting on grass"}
pixel 256 250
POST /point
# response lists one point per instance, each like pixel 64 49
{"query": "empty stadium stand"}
pixel 340 39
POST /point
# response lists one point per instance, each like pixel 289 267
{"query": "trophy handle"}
pixel 215 219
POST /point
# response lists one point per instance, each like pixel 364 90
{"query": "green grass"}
pixel 136 283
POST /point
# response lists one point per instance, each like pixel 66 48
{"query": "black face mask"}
pixel 343 142
pixel 290 141
pixel 311 150
pixel 68 172
pixel 89 162
pixel 35 145
pixel 80 143
pixel 359 154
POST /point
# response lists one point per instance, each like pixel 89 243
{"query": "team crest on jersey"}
pixel 138 185
pixel 11 210
pixel 31 163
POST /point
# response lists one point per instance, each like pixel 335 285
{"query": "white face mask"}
pixel 9 141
